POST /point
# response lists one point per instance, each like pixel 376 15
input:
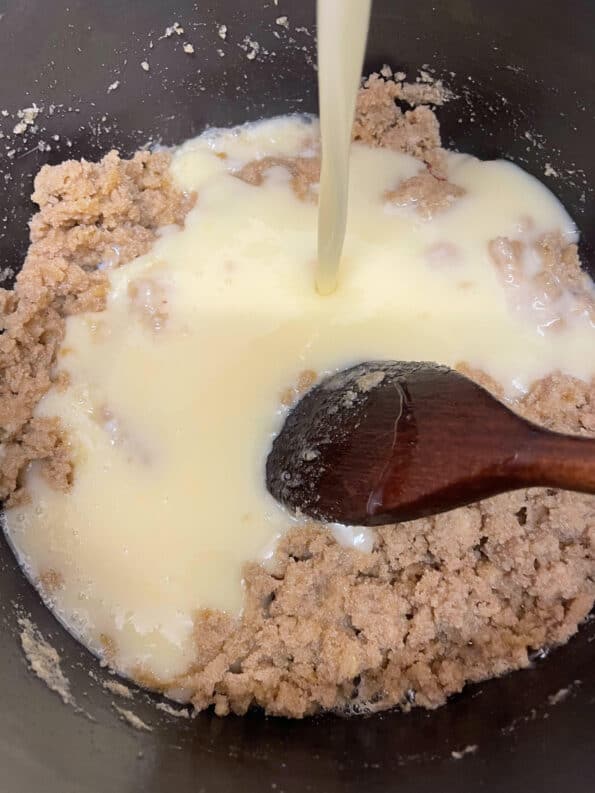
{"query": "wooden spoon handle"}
pixel 550 459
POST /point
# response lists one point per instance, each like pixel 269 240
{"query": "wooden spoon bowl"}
pixel 389 441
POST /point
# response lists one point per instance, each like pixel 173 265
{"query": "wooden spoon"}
pixel 390 441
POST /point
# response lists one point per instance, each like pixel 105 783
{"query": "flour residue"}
pixel 132 719
pixel 44 661
pixel 171 711
pixel 119 689
pixel 470 749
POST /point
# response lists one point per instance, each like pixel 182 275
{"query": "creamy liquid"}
pixel 342 30
pixel 171 411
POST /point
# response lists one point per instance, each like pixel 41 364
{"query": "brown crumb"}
pixel 481 378
pixel 380 122
pixel 416 133
pixel 106 212
pixel 562 270
pixel 61 379
pixel 426 193
pixel 376 110
pixel 109 649
pixel 50 581
pixel 304 171
pixel 306 380
pixel 559 288
pixel 562 403
pixel 90 214
pixel 38 439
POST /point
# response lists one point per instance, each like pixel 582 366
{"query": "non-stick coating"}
pixel 524 72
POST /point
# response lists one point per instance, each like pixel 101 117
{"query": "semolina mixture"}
pixel 163 324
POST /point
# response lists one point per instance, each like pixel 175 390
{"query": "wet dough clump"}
pixel 304 173
pixel 426 193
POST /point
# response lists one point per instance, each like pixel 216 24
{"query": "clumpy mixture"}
pixel 440 602
pixel 437 602
pixel 91 216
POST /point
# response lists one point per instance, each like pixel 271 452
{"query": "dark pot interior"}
pixel 524 73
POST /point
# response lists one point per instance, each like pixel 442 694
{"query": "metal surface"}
pixel 524 71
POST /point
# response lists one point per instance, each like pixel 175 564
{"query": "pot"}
pixel 524 75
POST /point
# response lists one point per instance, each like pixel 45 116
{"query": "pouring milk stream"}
pixel 342 34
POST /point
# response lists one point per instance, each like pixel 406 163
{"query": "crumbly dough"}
pixel 380 121
pixel 560 288
pixel 92 215
pixel 304 173
pixel 426 193
pixel 438 602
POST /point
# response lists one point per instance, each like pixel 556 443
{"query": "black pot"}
pixel 524 71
